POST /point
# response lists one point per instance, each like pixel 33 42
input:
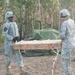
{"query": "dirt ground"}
pixel 40 65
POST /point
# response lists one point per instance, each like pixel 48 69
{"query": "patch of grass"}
pixel 1 39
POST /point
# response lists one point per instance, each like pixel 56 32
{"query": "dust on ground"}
pixel 39 65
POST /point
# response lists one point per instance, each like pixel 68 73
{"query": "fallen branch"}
pixel 53 65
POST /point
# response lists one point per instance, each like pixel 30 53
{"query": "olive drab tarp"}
pixel 45 34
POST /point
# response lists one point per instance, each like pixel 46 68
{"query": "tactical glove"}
pixel 15 39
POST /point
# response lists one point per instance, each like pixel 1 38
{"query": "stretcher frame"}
pixel 40 45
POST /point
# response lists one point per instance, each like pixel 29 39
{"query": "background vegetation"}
pixel 35 14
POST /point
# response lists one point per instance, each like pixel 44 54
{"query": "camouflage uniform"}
pixel 11 35
pixel 10 30
pixel 67 34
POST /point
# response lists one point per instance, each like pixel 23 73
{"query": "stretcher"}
pixel 37 45
pixel 40 45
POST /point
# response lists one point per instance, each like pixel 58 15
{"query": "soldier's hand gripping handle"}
pixel 15 39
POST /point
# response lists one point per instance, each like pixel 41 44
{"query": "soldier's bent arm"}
pixel 5 32
pixel 62 31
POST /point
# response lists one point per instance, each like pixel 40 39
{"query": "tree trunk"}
pixel 38 13
pixel 20 26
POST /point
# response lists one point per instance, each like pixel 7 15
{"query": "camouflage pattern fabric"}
pixel 67 34
pixel 10 30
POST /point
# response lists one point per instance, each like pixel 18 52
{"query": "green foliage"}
pixel 1 3
pixel 26 12
pixel 1 37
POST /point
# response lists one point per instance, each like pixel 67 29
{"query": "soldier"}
pixel 67 35
pixel 11 35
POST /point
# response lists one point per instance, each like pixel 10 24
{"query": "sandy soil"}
pixel 40 65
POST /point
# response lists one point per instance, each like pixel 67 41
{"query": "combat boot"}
pixel 8 72
pixel 22 72
pixel 69 74
pixel 73 60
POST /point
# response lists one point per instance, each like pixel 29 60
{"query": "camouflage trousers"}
pixel 10 53
pixel 65 59
pixel 73 55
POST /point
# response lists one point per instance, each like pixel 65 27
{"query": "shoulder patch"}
pixel 5 29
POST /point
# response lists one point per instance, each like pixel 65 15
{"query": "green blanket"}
pixel 45 34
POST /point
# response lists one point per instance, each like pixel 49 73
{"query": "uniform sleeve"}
pixel 5 31
pixel 62 31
